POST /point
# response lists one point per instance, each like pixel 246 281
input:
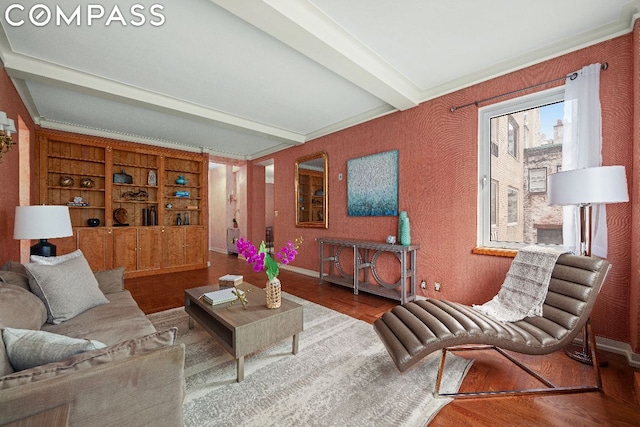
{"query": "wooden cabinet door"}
pixel 96 244
pixel 65 245
pixel 149 248
pixel 173 246
pixel 125 248
pixel 195 245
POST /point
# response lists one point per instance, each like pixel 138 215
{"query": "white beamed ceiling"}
pixel 246 78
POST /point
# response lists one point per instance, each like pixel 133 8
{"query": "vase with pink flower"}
pixel 261 260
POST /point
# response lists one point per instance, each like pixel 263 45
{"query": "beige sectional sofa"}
pixel 115 368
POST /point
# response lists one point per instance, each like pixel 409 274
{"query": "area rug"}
pixel 341 376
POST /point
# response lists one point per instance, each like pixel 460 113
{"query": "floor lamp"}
pixel 584 188
pixel 42 222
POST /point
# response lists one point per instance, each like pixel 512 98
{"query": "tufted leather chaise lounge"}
pixel 412 331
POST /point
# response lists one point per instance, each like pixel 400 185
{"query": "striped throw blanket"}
pixel 525 288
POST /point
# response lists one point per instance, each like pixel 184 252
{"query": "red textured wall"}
pixel 11 104
pixel 438 183
pixel 634 299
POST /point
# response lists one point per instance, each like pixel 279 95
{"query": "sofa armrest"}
pixel 145 389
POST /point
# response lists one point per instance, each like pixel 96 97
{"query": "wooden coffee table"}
pixel 242 332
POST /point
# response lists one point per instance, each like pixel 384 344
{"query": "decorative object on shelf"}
pixel 235 223
pixel 122 178
pixel 78 201
pixel 186 218
pixel 262 260
pixel 140 195
pixel 181 180
pixel 182 194
pixel 391 240
pixel 66 181
pixel 152 179
pixel 87 183
pixel 42 222
pixel 121 216
pixel 93 222
pixel 178 219
pixel 404 229
pixel 153 216
pixel 7 127
pixel 145 216
pixel 168 206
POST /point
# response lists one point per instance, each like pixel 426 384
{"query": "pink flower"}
pixel 261 260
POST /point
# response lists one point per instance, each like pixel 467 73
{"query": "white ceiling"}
pixel 246 78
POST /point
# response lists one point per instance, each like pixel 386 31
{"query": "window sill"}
pixel 511 253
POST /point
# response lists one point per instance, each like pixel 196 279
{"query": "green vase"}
pixel 404 229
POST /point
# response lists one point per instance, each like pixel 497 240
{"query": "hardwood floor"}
pixel 616 406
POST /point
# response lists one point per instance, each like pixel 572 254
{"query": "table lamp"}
pixel 42 222
pixel 584 188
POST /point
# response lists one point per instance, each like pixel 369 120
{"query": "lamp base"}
pixel 43 248
pixel 582 353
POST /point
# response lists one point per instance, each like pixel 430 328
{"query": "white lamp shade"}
pixel 603 184
pixel 11 128
pixel 42 222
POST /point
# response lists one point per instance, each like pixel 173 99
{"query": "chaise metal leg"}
pixel 549 389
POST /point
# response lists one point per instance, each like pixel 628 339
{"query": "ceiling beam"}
pixel 28 68
pixel 303 27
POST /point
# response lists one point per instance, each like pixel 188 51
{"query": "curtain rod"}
pixel 571 76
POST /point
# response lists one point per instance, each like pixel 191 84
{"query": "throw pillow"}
pixel 55 260
pixel 13 278
pixel 14 266
pixel 20 308
pixel 110 281
pixel 67 289
pixel 27 349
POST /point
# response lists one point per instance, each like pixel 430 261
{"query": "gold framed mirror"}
pixel 311 176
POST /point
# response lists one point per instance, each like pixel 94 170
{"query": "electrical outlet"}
pixel 437 286
pixel 423 284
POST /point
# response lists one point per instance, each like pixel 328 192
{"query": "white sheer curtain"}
pixel 582 148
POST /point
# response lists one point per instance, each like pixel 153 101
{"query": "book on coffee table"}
pixel 230 280
pixel 221 296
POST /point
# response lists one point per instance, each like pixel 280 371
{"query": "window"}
pixel 538 180
pixel 512 196
pixel 512 206
pixel 513 137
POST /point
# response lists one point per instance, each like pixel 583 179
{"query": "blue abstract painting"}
pixel 372 185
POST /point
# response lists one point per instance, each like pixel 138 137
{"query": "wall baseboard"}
pixel 616 347
pixel 299 270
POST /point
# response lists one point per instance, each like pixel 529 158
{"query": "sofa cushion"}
pixel 93 358
pixel 110 281
pixel 27 349
pixel 14 266
pixel 55 260
pixel 111 323
pixel 14 278
pixel 20 308
pixel 67 289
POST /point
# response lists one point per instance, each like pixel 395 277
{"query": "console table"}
pixel 365 255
